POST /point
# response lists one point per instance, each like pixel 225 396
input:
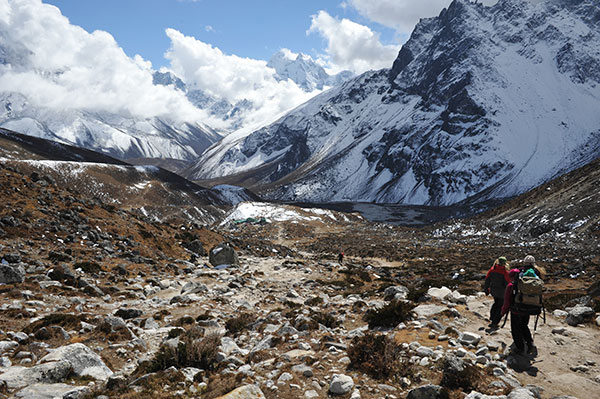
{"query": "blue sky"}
pixel 254 29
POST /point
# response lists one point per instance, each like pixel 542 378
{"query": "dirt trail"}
pixel 556 353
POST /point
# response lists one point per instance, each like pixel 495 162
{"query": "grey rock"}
pixel 11 274
pixel 469 338
pixel 396 292
pixel 521 393
pixel 17 377
pixel 115 382
pixel 341 384
pixel 52 391
pixel 424 351
pixel 8 346
pixel 82 359
pixel 429 391
pixel 12 258
pixel 196 247
pixel 425 311
pixel 303 369
pixel 193 287
pixel 265 343
pixel 477 395
pixel 223 254
pixel 128 313
pixel 579 314
pixel 245 392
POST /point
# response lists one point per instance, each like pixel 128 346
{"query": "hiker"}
pixel 340 258
pixel 495 284
pixel 521 305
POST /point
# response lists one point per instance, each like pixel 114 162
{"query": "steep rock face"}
pixel 481 101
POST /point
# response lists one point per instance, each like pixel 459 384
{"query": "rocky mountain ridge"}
pixel 466 110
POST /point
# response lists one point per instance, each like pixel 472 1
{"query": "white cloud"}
pixel 209 28
pixel 401 14
pixel 56 64
pixel 233 78
pixel 352 46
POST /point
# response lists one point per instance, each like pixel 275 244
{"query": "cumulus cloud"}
pixel 401 14
pixel 233 78
pixel 351 45
pixel 56 64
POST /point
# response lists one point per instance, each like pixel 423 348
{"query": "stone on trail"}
pixel 341 384
pixel 469 338
pixel 11 274
pixel 426 392
pixel 245 392
pixel 579 314
pixel 84 361
pixel 397 292
pixel 17 377
pixel 439 293
pixel 425 311
pixel 51 391
pixel 223 254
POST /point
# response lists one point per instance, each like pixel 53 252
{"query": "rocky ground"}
pixel 98 301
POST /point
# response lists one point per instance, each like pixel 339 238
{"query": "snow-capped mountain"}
pixel 124 137
pixel 481 101
pixel 304 71
pixel 299 68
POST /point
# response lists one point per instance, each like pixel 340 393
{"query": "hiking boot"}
pixel 518 351
pixel 531 349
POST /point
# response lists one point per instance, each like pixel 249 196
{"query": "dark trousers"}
pixel 520 330
pixel 496 312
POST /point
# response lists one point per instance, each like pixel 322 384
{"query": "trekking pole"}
pixel 505 318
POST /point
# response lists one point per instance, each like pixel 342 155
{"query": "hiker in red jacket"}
pixel 495 284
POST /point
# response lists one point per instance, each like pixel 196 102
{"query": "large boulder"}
pixel 11 274
pixel 396 292
pixel 18 377
pixel 341 384
pixel 223 254
pixel 51 391
pixel 427 392
pixel 196 247
pixel 83 360
pixel 580 314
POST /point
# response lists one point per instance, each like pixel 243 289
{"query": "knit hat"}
pixel 502 260
pixel 529 260
pixel 513 272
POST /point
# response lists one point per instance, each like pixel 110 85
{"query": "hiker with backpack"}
pixel 495 284
pixel 523 297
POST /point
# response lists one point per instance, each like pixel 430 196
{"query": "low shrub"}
pixel 390 315
pixel 379 356
pixel 88 267
pixel 193 350
pixel 237 324
pixel 327 319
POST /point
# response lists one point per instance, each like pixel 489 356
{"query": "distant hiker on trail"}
pixel 523 297
pixel 341 258
pixel 495 284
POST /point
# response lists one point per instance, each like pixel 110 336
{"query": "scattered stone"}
pixel 82 359
pixel 426 311
pixel 128 313
pixel 468 338
pixel 17 377
pixel 341 384
pixel 580 314
pixel 223 254
pixel 426 392
pixel 11 274
pixel 303 369
pixel 8 346
pixel 245 392
pixel 397 292
pixel 52 391
pixel 439 293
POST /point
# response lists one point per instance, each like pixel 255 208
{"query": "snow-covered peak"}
pixel 304 71
pixel 482 102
